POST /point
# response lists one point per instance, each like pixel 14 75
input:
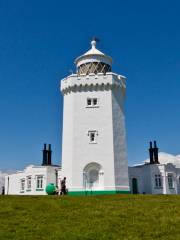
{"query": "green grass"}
pixel 95 217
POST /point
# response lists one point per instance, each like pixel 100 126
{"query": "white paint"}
pixel 75 82
pixel 93 55
pixel 2 180
pixel 108 120
pixel 145 175
pixel 13 181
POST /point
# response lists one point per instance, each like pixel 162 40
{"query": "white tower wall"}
pixel 94 141
pixel 107 119
pixel 119 140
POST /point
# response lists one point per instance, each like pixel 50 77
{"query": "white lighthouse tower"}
pixel 94 159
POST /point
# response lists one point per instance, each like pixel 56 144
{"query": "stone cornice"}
pixel 92 82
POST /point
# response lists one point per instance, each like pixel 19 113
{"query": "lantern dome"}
pixel 93 61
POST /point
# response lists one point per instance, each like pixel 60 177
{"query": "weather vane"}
pixel 96 39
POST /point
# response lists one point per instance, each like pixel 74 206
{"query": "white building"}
pixel 94 140
pixel 161 177
pixel 33 179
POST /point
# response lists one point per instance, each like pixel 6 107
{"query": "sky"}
pixel 39 41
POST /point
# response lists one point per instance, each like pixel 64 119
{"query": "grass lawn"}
pixel 94 217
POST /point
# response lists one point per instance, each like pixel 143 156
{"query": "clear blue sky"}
pixel 39 41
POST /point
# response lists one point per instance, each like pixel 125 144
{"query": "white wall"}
pixel 119 140
pixel 2 180
pixel 77 152
pixel 136 172
pixel 146 178
pixel 13 181
pixel 78 119
pixel 171 169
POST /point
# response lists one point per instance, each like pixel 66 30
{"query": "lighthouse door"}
pixel 93 176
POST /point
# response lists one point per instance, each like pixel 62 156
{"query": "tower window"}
pixel 92 102
pixel 92 136
pixel 89 101
pixel 94 67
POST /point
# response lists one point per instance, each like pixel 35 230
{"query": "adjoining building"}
pixel 160 174
pixel 94 155
pixel 33 179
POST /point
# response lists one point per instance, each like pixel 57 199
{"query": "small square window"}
pixel 94 101
pixel 92 136
pixel 89 101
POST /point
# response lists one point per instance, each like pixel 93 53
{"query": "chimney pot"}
pixel 44 161
pixel 155 153
pixel 151 153
pixel 49 153
pixel 49 147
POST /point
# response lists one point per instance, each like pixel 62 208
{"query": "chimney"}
pixel 155 153
pixel 49 152
pixel 44 162
pixel 151 153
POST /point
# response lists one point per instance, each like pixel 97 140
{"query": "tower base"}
pixel 97 192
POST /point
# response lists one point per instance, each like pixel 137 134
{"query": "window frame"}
pixel 92 137
pixel 170 183
pixel 95 99
pixel 89 100
pixel 39 182
pixel 22 184
pixel 158 181
pixel 92 105
pixel 95 133
pixel 29 180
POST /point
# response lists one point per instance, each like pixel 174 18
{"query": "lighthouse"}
pixel 94 158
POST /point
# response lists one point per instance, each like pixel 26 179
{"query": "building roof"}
pixel 165 158
pixel 93 55
pixel 93 50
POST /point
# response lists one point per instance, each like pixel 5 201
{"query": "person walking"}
pixel 3 190
pixel 63 187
